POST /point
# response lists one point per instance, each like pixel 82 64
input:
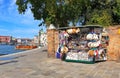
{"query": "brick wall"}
pixel 114 44
pixel 56 40
pixel 53 41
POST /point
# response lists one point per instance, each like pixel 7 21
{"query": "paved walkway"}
pixel 35 64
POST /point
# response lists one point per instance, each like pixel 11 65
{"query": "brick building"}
pixel 5 39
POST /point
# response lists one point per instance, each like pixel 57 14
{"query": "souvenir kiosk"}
pixel 82 44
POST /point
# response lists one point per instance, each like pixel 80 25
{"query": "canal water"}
pixel 8 49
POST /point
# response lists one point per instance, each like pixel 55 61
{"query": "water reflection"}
pixel 8 49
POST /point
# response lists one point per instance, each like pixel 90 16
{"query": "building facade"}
pixel 5 39
pixel 40 40
pixel 36 40
pixel 43 39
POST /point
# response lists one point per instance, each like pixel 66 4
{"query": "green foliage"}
pixel 116 13
pixel 58 12
pixel 100 13
pixel 100 17
pixel 22 5
pixel 62 12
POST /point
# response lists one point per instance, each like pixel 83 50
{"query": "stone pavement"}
pixel 35 64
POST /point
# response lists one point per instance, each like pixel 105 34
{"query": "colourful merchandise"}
pixel 82 44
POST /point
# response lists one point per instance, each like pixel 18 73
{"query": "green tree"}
pixel 101 12
pixel 116 12
pixel 58 12
pixel 62 12
pixel 100 17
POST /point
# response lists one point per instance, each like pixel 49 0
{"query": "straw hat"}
pixel 104 34
pixel 89 44
pixel 73 30
pixel 95 36
pixel 91 53
pixel 94 44
pixel 89 36
pixel 64 49
pixel 77 30
pixel 69 31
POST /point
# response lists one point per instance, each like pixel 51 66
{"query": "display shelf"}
pixel 78 48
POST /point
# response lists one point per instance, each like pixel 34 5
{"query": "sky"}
pixel 17 25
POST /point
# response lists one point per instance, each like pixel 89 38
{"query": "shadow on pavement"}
pixel 45 50
pixel 8 62
pixel 11 57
